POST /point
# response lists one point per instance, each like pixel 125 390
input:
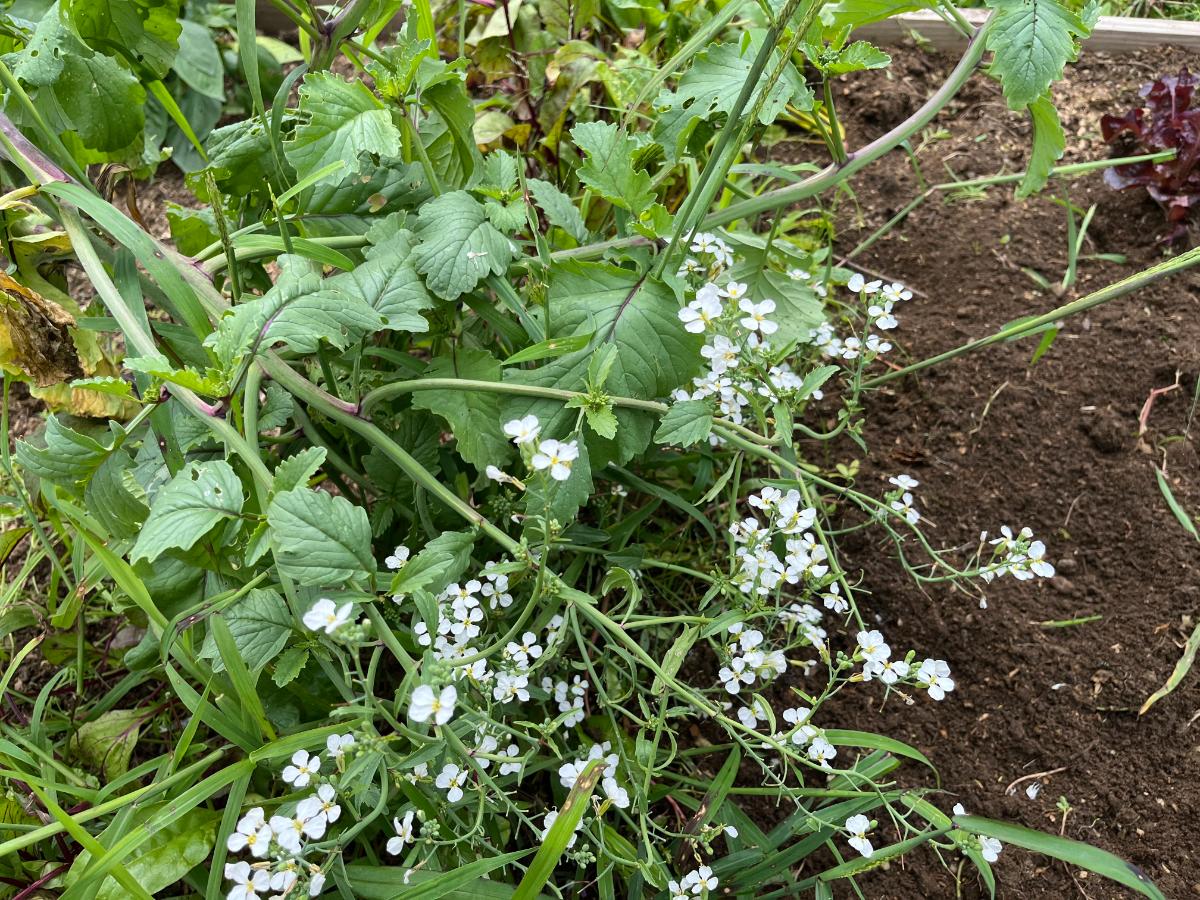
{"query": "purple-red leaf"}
pixel 1167 122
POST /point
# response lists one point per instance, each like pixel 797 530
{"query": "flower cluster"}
pixel 279 844
pixel 1017 555
pixel 556 458
pixel 880 300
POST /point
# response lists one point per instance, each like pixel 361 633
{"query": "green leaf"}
pixel 106 744
pixel 1049 143
pixel 339 121
pixel 1085 856
pixel 388 283
pixel 862 12
pixel 560 210
pixel 685 424
pixel 464 883
pixel 858 57
pixel 1182 667
pixel 440 562
pixel 295 471
pixel 319 539
pixel 69 457
pixel 78 90
pixel 144 32
pixel 555 841
pixel 1032 41
pixel 260 624
pixel 637 316
pixel 1178 511
pixel 168 855
pixel 473 416
pixel 601 420
pixel 114 498
pixel 298 311
pixel 549 349
pixel 183 511
pixel 458 245
pixel 608 166
pixel 198 63
pixel 289 666
pixel 711 87
pixel 207 384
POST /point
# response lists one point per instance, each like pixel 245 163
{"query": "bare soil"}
pixel 1054 445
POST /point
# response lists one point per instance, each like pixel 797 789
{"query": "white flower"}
pixel 316 884
pixel 892 670
pixel 734 290
pixel 557 457
pixel 523 431
pixel 451 779
pixel 699 880
pixel 934 675
pixel 895 292
pixel 904 482
pixel 302 769
pixel 404 834
pixel 722 354
pixel 756 316
pixel 703 242
pixel 860 285
pixel 337 744
pixel 326 616
pixel 283 880
pixel 876 344
pixel 904 507
pixel 820 750
pixel 252 833
pixel 290 832
pixel 425 704
pixel 834 600
pixel 990 848
pixel 398 558
pixel 247 882
pixel 700 313
pixel 510 687
pixel 323 803
pixel 1037 560
pixel 882 315
pixel 614 792
pixel 511 768
pixel 872 646
pixel 857 827
pixel 494 473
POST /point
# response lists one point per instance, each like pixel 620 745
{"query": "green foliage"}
pixel 1032 41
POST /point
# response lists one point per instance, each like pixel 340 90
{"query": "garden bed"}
pixel 1054 446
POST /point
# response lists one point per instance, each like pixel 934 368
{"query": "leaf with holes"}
pixel 191 503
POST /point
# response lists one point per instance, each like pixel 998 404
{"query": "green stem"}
pixel 1111 292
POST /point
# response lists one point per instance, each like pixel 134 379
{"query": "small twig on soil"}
pixel 987 407
pixel 1144 415
pixel 1012 788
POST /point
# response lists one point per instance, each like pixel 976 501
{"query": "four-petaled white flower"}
pixel 451 779
pixel 302 769
pixel 252 834
pixel 904 482
pixel 556 456
pixel 700 313
pixel 248 883
pixel 426 704
pixel 934 675
pixel 338 744
pixel 524 430
pixel 405 834
pixel 323 804
pixel 904 507
pixel 857 827
pixel 756 316
pixel 327 616
pixel 989 848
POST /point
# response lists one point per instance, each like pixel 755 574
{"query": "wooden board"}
pixel 1113 34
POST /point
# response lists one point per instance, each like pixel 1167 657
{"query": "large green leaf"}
pixel 69 457
pixel 144 32
pixel 608 166
pixel 685 424
pixel 639 316
pixel 319 539
pixel 198 63
pixel 1032 41
pixel 196 499
pixel 260 624
pixel 340 120
pixel 474 416
pixel 106 743
pixel 1049 142
pixel 712 85
pixel 79 90
pixel 388 283
pixel 458 245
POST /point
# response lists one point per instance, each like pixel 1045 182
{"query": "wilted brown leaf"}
pixel 35 336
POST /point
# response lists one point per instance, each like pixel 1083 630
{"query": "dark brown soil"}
pixel 1054 446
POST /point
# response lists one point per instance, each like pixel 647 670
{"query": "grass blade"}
pixel 1177 675
pixel 555 842
pixel 1101 862
pixel 1180 513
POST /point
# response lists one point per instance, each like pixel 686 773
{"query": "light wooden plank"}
pixel 1113 34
